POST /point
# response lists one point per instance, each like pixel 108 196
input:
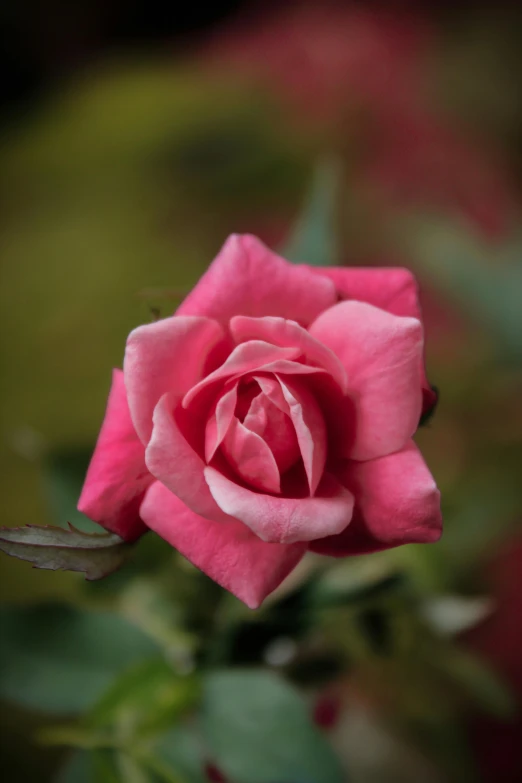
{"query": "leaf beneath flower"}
pixel 313 239
pixel 58 549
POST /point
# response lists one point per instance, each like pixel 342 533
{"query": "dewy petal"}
pixel 281 519
pixel 219 421
pixel 251 458
pixel 247 278
pixel 310 429
pixel 228 552
pixel 393 289
pixel 117 477
pixel 284 333
pixel 382 357
pixel 397 502
pixel 172 460
pixel 165 356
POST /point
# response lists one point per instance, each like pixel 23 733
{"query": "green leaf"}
pixel 448 615
pixel 77 769
pixel 86 767
pixel 313 238
pixel 482 683
pixel 179 757
pixel 147 698
pixel 357 581
pixel 485 280
pixel 58 549
pixel 60 659
pixel 258 730
pixel 76 736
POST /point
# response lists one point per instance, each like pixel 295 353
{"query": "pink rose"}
pixel 271 415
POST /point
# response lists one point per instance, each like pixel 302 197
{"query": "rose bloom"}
pixel 271 415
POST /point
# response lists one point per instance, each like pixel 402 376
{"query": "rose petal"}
pixel 228 552
pixel 117 476
pixel 219 421
pixel 397 502
pixel 172 460
pixel 276 429
pixel 251 458
pixel 284 333
pixel 247 278
pixel 310 429
pixel 393 289
pixel 165 356
pixel 382 357
pixel 243 359
pixel 282 519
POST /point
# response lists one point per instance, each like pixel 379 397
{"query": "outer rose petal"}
pixel 284 333
pixel 280 519
pixel 246 278
pixel 117 476
pixel 165 356
pixel 228 552
pixel 393 289
pixel 397 502
pixel 382 356
pixel 172 460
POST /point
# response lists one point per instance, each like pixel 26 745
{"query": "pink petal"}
pixel 165 356
pixel 276 429
pixel 247 278
pixel 172 460
pixel 281 519
pixel 279 331
pixel 251 458
pixel 228 552
pixel 271 388
pixel 309 427
pixel 397 502
pixel 117 476
pixel 393 289
pixel 243 359
pixel 382 357
pixel 219 421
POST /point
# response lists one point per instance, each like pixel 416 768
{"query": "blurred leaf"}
pixel 91 767
pixel 481 682
pixel 59 659
pixel 130 770
pixel 57 549
pixel 485 281
pixel 258 730
pixel 180 753
pixel 64 473
pixel 313 240
pixel 357 580
pixel 453 614
pixel 147 698
pixel 77 769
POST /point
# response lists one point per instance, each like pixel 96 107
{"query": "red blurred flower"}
pixel 361 72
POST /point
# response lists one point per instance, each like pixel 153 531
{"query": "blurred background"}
pixel 134 137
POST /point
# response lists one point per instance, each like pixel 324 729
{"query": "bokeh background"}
pixel 134 137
